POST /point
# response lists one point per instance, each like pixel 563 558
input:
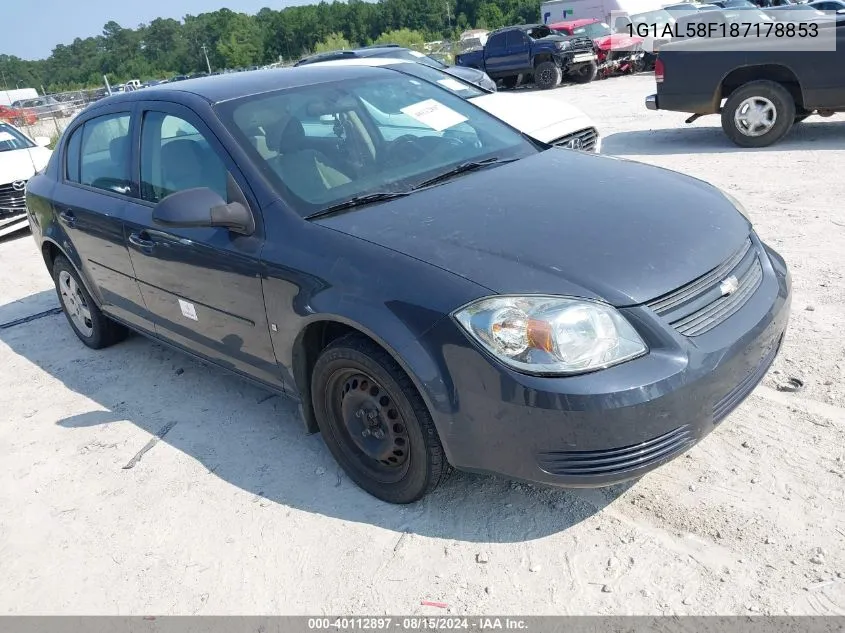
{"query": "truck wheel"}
pixel 546 75
pixel 585 73
pixel 758 114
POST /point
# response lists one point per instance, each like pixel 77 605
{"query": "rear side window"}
pixel 496 41
pixel 98 154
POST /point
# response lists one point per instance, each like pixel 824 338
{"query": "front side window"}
pixel 11 139
pixel 104 154
pixel 328 143
pixel 175 156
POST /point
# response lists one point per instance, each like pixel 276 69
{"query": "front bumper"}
pixel 651 102
pixel 613 425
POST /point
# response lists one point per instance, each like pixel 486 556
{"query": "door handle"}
pixel 68 218
pixel 142 241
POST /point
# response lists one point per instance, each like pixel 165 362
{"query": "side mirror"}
pixel 203 207
pixel 42 141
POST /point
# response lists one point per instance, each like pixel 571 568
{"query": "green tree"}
pixel 333 42
pixel 242 45
pixel 403 37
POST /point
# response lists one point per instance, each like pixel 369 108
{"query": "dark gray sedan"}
pixel 394 258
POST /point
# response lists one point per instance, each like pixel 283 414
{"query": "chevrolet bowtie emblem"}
pixel 729 286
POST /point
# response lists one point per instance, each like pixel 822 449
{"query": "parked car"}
pixel 828 5
pixel 46 107
pixel 472 75
pixel 766 87
pixel 535 52
pixel 20 158
pixel 544 119
pixel 17 116
pixel 430 299
pixel 616 52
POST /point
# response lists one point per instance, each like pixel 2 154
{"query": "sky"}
pixel 37 27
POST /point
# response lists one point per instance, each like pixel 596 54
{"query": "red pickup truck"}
pixel 617 52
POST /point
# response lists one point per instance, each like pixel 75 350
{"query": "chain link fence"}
pixel 48 115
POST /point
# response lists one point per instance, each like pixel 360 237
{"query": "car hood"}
pixel 561 222
pixel 21 164
pixel 541 117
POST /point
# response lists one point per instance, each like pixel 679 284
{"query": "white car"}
pixel 539 116
pixel 20 158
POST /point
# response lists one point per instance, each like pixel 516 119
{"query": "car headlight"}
pixel 737 204
pixel 562 46
pixel 551 335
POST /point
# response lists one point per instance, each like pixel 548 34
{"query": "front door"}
pixel 90 200
pixel 203 285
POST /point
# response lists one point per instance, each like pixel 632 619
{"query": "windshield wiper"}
pixel 358 201
pixel 461 169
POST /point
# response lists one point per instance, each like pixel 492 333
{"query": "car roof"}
pixel 218 88
pixel 352 53
pixel 366 61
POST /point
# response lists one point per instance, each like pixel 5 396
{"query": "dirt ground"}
pixel 237 511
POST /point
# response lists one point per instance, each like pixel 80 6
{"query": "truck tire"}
pixel 547 75
pixel 758 114
pixel 585 73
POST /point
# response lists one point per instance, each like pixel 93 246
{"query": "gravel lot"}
pixel 236 510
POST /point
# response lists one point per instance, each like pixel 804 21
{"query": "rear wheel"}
pixel 375 423
pixel 92 327
pixel 547 75
pixel 758 114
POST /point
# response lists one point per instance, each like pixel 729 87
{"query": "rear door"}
pixel 495 55
pixel 202 285
pixel 89 201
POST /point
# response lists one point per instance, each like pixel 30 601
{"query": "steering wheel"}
pixel 407 143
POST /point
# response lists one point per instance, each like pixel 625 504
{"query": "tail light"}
pixel 658 71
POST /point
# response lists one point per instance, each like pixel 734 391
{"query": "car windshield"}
pixel 11 139
pixel 443 79
pixel 596 29
pixel 324 144
pixel 660 17
pixel 539 32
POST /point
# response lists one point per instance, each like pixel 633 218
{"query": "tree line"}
pixel 167 47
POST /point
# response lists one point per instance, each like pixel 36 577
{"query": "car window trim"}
pixel 189 115
pixel 78 125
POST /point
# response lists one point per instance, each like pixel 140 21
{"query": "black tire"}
pixel 103 331
pixel 767 92
pixel 585 73
pixel 546 75
pixel 509 83
pixel 355 373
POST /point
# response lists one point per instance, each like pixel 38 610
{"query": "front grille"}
pixel 11 200
pixel 702 305
pixel 582 139
pixel 580 44
pixel 736 395
pixel 617 461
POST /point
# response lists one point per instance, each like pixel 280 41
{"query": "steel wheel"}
pixel 755 116
pixel 371 427
pixel 75 304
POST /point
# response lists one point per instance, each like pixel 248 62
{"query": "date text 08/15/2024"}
pixel 720 29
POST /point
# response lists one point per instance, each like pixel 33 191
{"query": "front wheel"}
pixel 585 73
pixel 547 75
pixel 758 114
pixel 375 423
